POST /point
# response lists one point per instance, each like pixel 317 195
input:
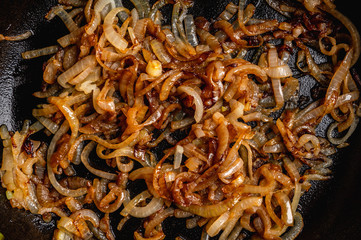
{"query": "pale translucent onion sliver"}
pixel 112 36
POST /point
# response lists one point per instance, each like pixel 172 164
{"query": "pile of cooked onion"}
pixel 206 113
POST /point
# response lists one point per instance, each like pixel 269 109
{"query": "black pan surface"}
pixel 331 209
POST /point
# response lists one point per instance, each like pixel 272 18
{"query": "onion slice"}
pixel 112 36
pixel 76 69
pixel 281 71
pixel 152 207
pixel 84 159
pixel 198 114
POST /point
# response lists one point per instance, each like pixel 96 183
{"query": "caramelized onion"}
pixel 40 52
pixel 206 114
pixel 198 114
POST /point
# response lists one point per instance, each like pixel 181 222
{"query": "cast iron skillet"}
pixel 331 209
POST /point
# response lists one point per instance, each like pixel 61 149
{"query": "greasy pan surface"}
pixel 331 210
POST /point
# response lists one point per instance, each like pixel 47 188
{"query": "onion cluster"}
pixel 217 139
